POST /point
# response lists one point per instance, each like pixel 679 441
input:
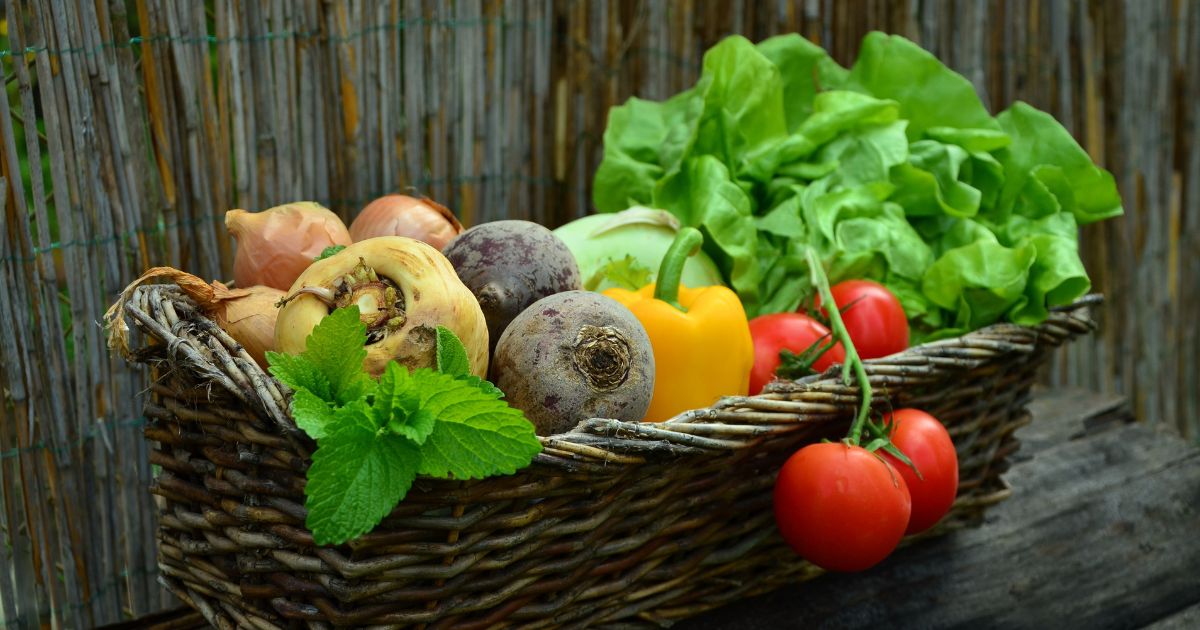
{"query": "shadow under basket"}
pixel 613 523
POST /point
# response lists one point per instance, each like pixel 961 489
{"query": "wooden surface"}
pixel 1102 531
pixel 146 120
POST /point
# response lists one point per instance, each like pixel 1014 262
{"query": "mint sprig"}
pixel 375 437
pixel 358 474
pixel 452 360
pixel 331 366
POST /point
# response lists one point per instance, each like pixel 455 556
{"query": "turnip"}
pixel 404 289
pixel 601 243
pixel 509 265
pixel 573 356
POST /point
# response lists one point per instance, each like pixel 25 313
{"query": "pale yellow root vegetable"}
pixel 404 289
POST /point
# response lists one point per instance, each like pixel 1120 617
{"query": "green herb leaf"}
pixel 357 477
pixel 397 405
pixel 451 354
pixel 328 374
pixel 416 426
pixel 337 347
pixel 452 360
pixel 329 251
pixel 626 273
pixel 312 414
pixel 485 386
pixel 476 435
pixel 298 372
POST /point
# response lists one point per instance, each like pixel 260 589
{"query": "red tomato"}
pixel 840 507
pixel 875 320
pixel 787 331
pixel 925 441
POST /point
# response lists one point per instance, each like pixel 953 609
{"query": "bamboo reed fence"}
pixel 130 126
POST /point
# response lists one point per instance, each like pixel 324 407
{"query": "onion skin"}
pixel 432 294
pixel 250 320
pixel 276 245
pixel 400 215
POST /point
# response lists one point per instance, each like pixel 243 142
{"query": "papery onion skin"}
pixel 401 215
pixel 276 245
pixel 432 295
pixel 250 320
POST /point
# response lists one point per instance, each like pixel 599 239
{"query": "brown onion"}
pixel 248 314
pixel 250 320
pixel 275 246
pixel 400 215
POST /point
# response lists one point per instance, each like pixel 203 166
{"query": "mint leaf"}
pixel 452 360
pixel 451 354
pixel 486 387
pixel 337 347
pixel 298 372
pixel 416 427
pixel 357 477
pixel 329 251
pixel 397 405
pixel 476 435
pixel 312 414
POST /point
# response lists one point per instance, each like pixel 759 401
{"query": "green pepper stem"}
pixel 670 273
pixel 853 362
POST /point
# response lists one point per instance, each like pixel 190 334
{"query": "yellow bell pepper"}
pixel 700 337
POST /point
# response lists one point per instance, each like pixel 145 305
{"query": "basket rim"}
pixel 194 340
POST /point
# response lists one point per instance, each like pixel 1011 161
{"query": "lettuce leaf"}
pixel 891 170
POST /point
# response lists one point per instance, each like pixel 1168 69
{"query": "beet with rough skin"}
pixel 573 356
pixel 509 265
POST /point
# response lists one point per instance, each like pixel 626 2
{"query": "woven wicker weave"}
pixel 615 522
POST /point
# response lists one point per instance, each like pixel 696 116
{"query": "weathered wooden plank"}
pixel 1185 619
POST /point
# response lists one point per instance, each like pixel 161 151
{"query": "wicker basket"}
pixel 614 522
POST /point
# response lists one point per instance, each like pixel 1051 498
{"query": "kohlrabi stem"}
pixel 853 362
pixel 670 273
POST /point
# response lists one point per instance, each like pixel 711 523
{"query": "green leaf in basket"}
pixel 299 373
pixel 452 359
pixel 451 355
pixel 331 365
pixel 358 475
pixel 398 406
pixel 373 438
pixel 476 435
pixel 314 415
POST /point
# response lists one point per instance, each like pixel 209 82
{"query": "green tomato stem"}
pixel 670 273
pixel 853 362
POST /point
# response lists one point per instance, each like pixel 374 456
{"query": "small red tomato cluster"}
pixel 791 345
pixel 844 508
pixel 837 504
